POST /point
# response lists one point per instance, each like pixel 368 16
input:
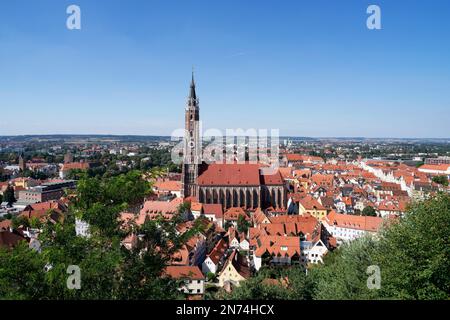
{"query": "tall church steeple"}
pixel 192 95
pixel 192 144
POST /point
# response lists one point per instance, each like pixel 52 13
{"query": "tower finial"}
pixel 192 94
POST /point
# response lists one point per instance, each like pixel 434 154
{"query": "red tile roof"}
pixel 278 245
pixel 184 272
pixel 162 207
pixel 167 185
pixel 230 174
pixel 309 203
pixel 349 221
pixel 218 251
pixel 41 210
pixel 5 224
pixel 436 167
pixel 323 179
pixel 272 179
pixel 302 158
pixel 233 214
pixel 213 208
pixel 307 225
pixel 196 206
pixel 259 216
pixel 75 165
pixel 9 239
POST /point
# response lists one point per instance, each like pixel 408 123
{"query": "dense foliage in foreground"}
pixel 108 271
pixel 413 256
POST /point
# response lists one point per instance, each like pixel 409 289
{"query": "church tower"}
pixel 192 144
pixel 22 163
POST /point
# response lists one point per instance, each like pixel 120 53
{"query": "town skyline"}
pixel 99 135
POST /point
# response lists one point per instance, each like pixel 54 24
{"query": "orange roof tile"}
pixel 213 208
pixel 167 185
pixel 349 221
pixel 184 272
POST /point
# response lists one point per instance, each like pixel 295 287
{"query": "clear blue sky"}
pixel 308 68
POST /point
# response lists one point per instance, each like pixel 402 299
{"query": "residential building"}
pixel 193 281
pixel 235 270
pixel 346 227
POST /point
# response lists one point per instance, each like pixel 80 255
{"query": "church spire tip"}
pixel 192 93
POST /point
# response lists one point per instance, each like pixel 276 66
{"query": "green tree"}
pixel 242 224
pixel 414 254
pixel 442 180
pixel 143 269
pixel 369 211
pixel 343 275
pixel 99 201
pixel 211 276
pixel 75 174
pixel 8 195
pixel 18 221
pixel 272 283
pixel 108 270
pixel 22 273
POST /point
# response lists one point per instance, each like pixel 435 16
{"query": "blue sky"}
pixel 308 68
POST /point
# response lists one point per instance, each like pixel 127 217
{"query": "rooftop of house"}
pixel 309 203
pixel 213 209
pixel 184 272
pixel 436 167
pixel 9 239
pixel 278 246
pixel 233 214
pixel 366 223
pixel 218 251
pixel 167 185
pixel 239 263
pixel 162 207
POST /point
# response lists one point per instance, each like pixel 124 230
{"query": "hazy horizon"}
pixel 168 136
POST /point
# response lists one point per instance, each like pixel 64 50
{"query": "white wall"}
pixel 193 286
pixel 208 266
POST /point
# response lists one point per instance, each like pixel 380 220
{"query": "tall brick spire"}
pixel 192 145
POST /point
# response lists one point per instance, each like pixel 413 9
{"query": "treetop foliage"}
pixel 413 256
